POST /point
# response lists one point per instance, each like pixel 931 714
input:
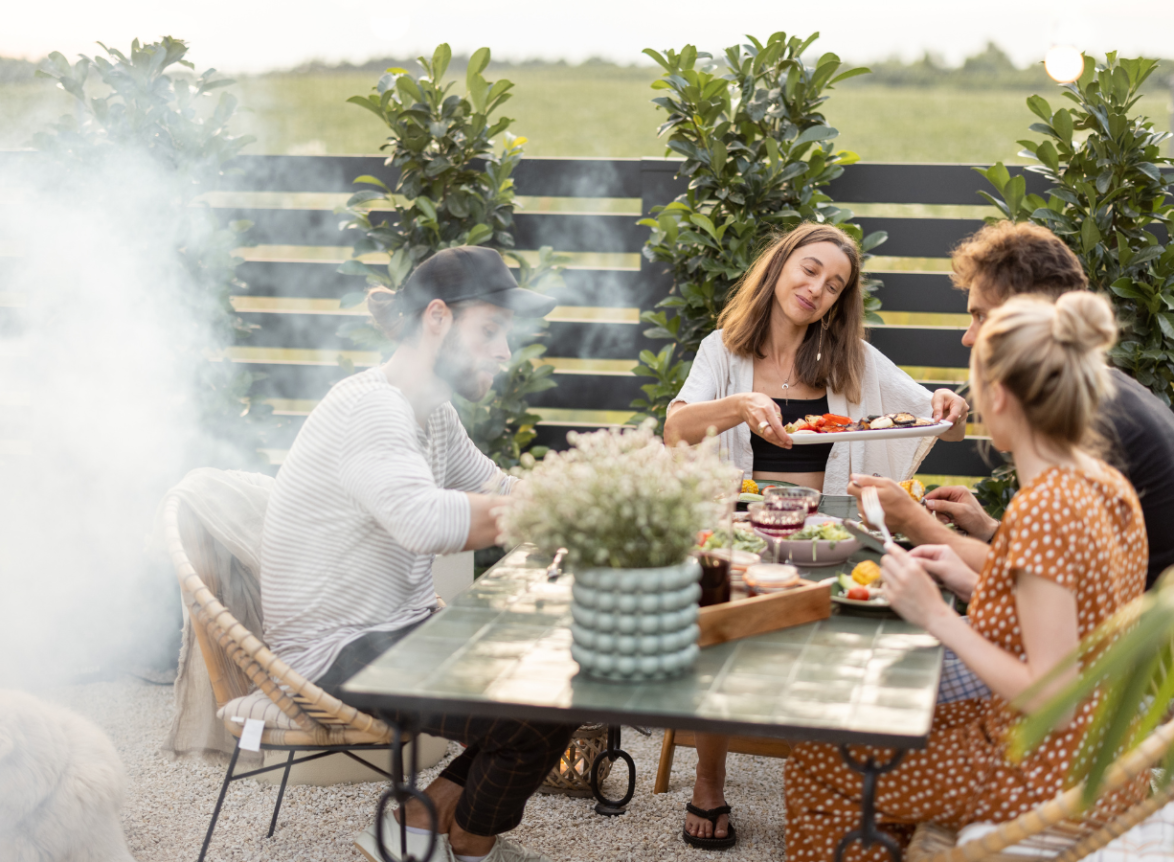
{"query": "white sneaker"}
pixel 417 844
pixel 505 850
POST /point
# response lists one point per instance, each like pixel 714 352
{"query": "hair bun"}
pixel 1084 321
pixel 385 307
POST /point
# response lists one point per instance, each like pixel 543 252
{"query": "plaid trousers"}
pixel 505 760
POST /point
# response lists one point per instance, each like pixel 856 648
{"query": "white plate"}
pixel 880 434
pixel 858 603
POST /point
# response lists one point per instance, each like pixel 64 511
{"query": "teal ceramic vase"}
pixel 636 624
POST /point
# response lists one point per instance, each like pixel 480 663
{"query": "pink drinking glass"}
pixel 776 523
pixel 782 497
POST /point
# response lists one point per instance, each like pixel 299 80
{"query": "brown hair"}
pixel 1009 258
pixel 745 321
pixel 1051 357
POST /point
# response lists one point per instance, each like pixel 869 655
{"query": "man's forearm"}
pixel 482 521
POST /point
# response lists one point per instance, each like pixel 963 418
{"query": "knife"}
pixel 555 568
pixel 866 538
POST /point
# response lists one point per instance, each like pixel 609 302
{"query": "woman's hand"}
pixel 902 512
pixel 764 418
pixel 951 407
pixel 956 503
pixel 944 564
pixel 909 589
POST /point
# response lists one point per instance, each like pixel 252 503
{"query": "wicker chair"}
pixel 241 668
pixel 1057 827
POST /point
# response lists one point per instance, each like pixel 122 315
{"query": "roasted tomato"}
pixel 857 594
pixel 835 419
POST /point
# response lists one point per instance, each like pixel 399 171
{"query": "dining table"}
pixel 502 647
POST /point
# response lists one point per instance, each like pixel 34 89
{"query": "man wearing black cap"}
pixel 381 478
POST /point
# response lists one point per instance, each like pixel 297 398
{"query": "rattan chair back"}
pixel 1059 825
pixel 237 660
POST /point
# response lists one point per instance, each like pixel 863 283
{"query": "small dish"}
pixel 877 606
pixel 767 578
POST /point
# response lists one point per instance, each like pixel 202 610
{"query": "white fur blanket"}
pixel 61 786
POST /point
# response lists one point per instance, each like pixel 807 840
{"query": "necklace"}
pixel 786 385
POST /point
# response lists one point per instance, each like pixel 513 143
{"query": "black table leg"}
pixel 401 791
pixel 605 806
pixel 868 834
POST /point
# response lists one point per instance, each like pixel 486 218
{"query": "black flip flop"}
pixel 711 815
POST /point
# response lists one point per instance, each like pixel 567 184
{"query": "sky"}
pixel 251 36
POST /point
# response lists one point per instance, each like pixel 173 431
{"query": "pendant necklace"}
pixel 786 383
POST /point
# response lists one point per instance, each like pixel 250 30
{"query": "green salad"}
pixel 826 532
pixel 744 540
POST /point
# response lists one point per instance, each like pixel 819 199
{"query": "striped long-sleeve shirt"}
pixel 364 500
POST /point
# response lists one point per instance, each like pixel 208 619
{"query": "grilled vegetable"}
pixel 914 488
pixel 749 486
pixel 866 572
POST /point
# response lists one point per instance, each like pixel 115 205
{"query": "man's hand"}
pixel 944 564
pixel 956 503
pixel 909 589
pixel 901 510
pixel 951 407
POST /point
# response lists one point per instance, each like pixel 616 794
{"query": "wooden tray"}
pixel 741 618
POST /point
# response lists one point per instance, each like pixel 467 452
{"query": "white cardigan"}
pixel 885 388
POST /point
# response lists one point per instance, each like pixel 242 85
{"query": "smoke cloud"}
pixel 101 349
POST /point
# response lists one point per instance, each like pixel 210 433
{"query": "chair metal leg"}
pixel 220 801
pixel 280 794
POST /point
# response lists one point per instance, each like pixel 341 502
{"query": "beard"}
pixel 457 367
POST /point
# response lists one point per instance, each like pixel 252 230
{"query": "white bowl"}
pixel 813 552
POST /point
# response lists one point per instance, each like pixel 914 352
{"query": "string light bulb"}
pixel 1064 64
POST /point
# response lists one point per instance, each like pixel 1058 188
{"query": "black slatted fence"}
pixel 293 287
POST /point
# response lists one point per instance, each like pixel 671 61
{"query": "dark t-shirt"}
pixel 1141 430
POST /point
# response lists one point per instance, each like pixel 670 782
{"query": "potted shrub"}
pixel 627 510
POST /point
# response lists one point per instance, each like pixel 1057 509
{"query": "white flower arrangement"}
pixel 618 498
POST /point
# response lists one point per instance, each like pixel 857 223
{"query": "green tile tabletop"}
pixel 503 647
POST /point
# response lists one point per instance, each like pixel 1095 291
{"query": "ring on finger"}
pixel 762 426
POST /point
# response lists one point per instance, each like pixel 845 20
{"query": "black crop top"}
pixel 769 458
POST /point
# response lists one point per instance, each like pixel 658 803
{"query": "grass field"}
pixel 599 111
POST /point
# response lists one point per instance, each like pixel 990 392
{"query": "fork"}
pixel 874 512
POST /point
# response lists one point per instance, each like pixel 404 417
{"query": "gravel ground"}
pixel 169 802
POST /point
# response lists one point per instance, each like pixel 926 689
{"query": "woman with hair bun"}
pixel 1071 552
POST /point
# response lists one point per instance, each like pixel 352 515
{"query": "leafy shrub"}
pixel 1108 194
pixel 142 107
pixel 452 189
pixel 757 154
pixel 618 497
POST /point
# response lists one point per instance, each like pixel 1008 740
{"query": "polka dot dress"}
pixel 1082 531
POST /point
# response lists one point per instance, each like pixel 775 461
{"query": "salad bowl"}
pixel 821 542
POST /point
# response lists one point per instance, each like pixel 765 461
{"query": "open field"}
pixel 599 111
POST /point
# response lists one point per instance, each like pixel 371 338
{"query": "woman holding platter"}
pixel 790 343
